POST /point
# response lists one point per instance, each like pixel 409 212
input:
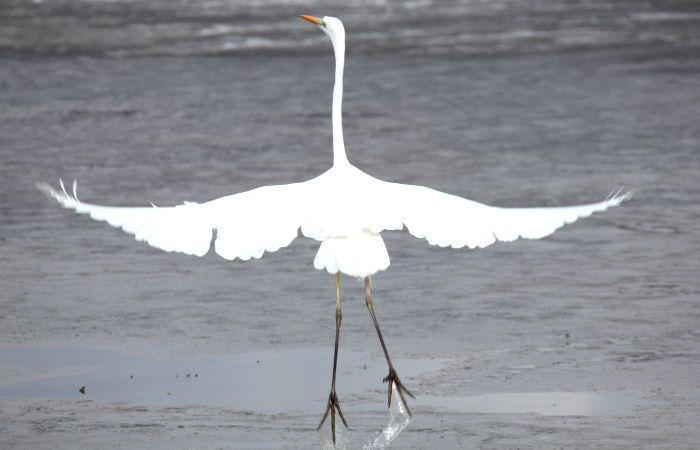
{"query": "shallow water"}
pixel 266 382
pixel 515 105
pixel 260 382
pixel 425 27
pixel 545 403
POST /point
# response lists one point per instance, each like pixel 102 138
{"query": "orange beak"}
pixel 312 19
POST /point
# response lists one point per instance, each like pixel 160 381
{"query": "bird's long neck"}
pixel 339 156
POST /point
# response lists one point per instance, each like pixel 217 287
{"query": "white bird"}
pixel 344 209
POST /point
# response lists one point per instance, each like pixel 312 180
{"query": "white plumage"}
pixel 344 208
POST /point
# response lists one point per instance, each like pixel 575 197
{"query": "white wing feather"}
pixel 452 221
pixel 330 206
pixel 246 224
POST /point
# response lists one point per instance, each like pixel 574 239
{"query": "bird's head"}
pixel 330 25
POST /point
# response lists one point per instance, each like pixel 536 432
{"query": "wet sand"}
pixel 588 338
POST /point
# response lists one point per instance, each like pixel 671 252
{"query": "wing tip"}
pixel 619 195
pixel 61 196
pixel 53 193
pixel 46 189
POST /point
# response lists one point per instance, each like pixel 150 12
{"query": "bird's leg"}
pixel 393 377
pixel 333 403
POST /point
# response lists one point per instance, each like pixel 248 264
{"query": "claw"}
pixel 393 378
pixel 333 405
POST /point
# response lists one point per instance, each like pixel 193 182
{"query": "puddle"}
pixel 617 403
pixel 266 382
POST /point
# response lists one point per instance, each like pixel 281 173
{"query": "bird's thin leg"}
pixel 393 377
pixel 333 403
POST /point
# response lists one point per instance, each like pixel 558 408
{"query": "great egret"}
pixel 343 208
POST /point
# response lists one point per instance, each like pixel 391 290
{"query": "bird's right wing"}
pixel 452 221
pixel 246 224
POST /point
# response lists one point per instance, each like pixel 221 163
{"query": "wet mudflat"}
pixel 586 338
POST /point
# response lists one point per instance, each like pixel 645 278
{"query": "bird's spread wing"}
pixel 246 224
pixel 452 221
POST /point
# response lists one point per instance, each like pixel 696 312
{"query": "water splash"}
pixel 341 438
pixel 398 421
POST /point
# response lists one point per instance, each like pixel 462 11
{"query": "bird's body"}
pixel 344 209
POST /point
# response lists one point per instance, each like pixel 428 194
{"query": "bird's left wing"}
pixel 246 224
pixel 452 221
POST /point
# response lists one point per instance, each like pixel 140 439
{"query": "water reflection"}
pixel 268 382
pixel 273 382
pixel 617 403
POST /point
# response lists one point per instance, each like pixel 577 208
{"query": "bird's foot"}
pixel 332 406
pixel 393 377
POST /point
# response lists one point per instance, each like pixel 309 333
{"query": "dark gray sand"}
pixel 588 338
